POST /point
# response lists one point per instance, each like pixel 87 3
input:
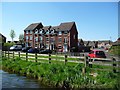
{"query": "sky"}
pixel 94 20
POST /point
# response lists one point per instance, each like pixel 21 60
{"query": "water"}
pixel 16 81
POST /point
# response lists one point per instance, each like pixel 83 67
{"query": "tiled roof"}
pixel 55 27
pixel 116 43
pixel 105 41
pixel 32 26
pixel 65 26
pixel 46 27
pixel 62 27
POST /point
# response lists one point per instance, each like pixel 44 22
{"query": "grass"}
pixel 114 50
pixel 63 75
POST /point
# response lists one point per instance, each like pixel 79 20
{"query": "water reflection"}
pixel 15 81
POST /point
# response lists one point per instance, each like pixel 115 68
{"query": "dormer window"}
pixel 65 32
pixel 41 31
pixel 47 32
pixel 60 33
pixel 36 31
pixel 52 31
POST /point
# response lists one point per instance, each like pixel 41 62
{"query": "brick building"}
pixel 61 38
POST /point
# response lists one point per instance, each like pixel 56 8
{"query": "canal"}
pixel 15 81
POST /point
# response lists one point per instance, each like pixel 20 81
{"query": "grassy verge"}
pixel 61 75
pixel 114 50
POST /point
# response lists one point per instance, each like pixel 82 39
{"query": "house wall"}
pixel 71 41
pixel 73 37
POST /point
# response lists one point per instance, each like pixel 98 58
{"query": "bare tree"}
pixel 12 34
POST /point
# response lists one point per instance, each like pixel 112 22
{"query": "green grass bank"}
pixel 62 76
pixel 114 50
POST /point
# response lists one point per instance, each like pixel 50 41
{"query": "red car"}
pixel 97 54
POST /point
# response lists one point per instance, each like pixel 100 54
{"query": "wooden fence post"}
pixel 8 54
pixel 86 62
pixel 2 53
pixel 56 56
pixel 90 62
pixel 13 54
pixel 114 65
pixel 35 57
pixel 65 58
pixel 49 58
pixel 19 54
pixel 5 53
pixel 26 56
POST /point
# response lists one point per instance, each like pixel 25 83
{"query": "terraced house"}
pixel 62 38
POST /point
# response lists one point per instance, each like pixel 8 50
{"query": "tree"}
pixel 12 34
pixel 21 38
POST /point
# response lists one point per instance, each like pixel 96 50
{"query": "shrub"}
pixel 9 44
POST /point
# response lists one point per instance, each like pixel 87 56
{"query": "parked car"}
pixel 33 50
pixel 16 48
pixel 46 51
pixel 25 49
pixel 97 54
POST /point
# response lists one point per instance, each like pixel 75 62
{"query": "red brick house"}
pixel 61 38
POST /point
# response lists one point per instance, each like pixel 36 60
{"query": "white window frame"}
pixel 31 37
pixel 36 39
pixel 60 33
pixel 30 31
pixel 27 32
pixel 26 37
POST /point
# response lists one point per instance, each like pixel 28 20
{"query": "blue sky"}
pixel 94 20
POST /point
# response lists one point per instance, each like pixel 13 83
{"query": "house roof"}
pixel 85 42
pixel 46 27
pixel 66 26
pixel 62 27
pixel 91 43
pixel 105 41
pixel 116 43
pixel 2 36
pixel 55 27
pixel 32 26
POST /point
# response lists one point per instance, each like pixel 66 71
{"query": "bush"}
pixel 9 44
pixel 115 50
